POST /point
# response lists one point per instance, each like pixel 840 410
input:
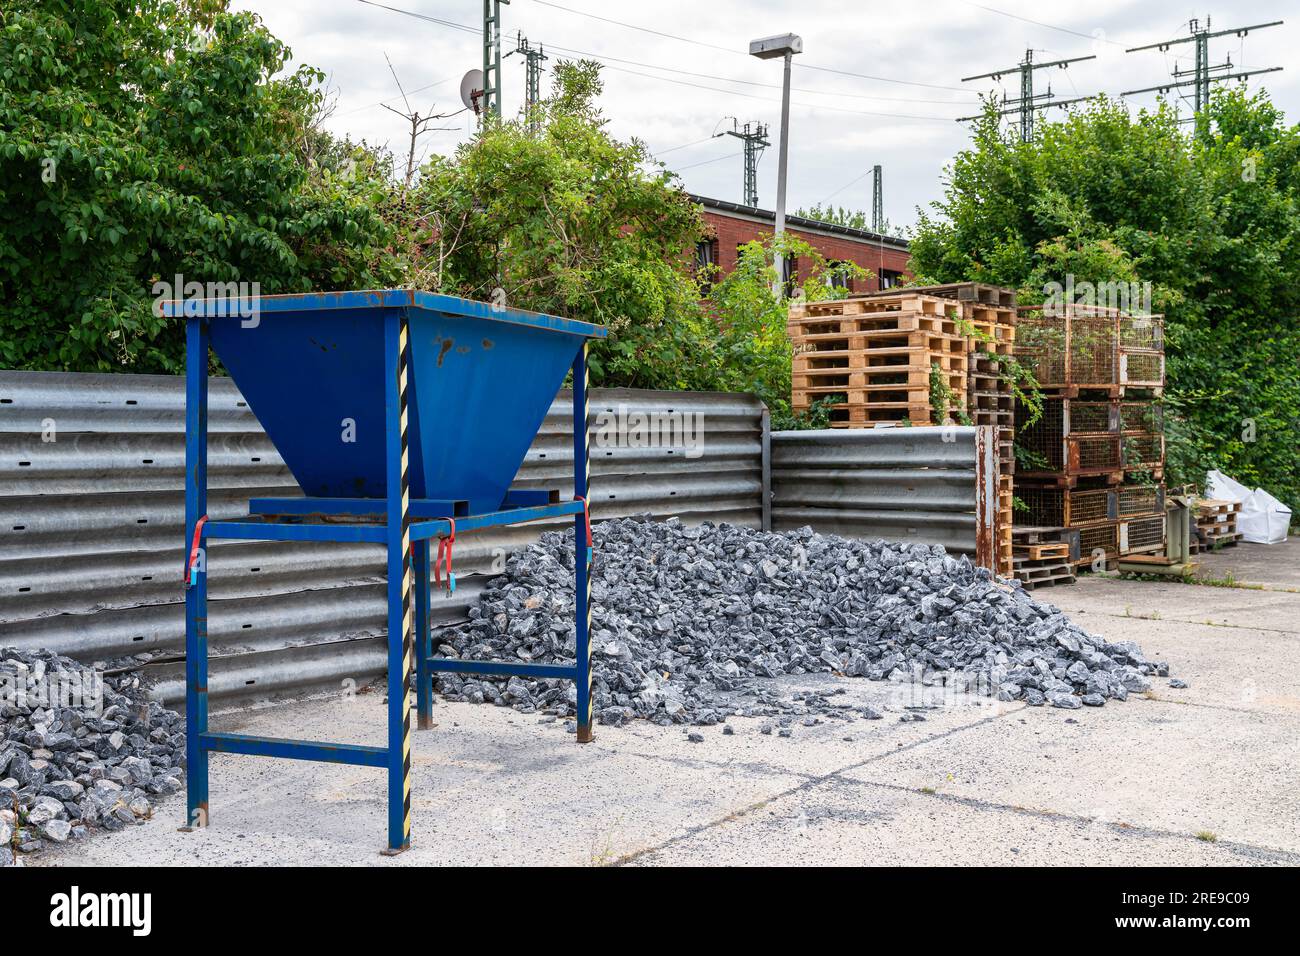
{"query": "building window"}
pixel 706 263
pixel 890 278
pixel 837 276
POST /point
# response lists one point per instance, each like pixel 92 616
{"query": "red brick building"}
pixel 734 225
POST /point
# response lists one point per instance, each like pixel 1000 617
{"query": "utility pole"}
pixel 1202 74
pixel 492 57
pixel 877 200
pixel 1027 101
pixel 533 57
pixel 755 140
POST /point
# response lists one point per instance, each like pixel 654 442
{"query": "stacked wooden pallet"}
pixel 1093 459
pixel 1216 525
pixel 926 355
pixel 876 359
pixel 987 318
pixel 1045 556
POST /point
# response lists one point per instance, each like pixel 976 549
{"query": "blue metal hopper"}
pixel 404 416
pixel 483 378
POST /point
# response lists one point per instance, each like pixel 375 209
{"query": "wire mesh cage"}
pixel 1040 346
pixel 1051 507
pixel 1142 534
pixel 1142 332
pixel 1092 350
pixel 1142 417
pixel 1099 539
pixel 1143 450
pixel 1143 368
pixel 1042 440
pixel 1141 500
pixel 1093 453
pixel 1092 417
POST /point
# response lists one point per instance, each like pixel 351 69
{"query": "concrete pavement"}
pixel 973 783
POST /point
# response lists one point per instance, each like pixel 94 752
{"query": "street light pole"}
pixel 782 158
pixel 769 48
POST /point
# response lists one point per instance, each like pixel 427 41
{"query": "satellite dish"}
pixel 471 91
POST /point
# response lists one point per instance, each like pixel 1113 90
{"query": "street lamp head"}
pixel 769 48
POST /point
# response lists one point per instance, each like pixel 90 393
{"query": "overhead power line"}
pixel 601 58
pixel 740 52
pixel 1202 74
pixel 1028 100
pixel 705 162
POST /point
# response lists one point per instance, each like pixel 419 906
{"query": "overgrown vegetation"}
pixel 140 140
pixel 145 139
pixel 1211 221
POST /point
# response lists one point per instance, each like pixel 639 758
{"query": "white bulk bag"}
pixel 1263 519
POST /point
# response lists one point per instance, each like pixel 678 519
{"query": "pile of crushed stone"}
pixel 81 749
pixel 689 623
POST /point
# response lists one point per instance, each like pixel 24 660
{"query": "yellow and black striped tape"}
pixel 408 637
pixel 586 495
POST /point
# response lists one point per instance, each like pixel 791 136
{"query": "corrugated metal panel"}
pixel 91 524
pixel 902 484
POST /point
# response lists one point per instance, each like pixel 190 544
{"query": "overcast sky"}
pixel 680 72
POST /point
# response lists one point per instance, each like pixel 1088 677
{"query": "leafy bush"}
pixel 140 140
pixel 1211 220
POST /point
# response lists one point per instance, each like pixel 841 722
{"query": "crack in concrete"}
pixel 810 782
pixel 1290 857
pixel 836 776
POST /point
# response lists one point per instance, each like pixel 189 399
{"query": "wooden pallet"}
pixel 1032 536
pixel 901 304
pixel 980 292
pixel 1216 521
pixel 1039 552
pixel 1044 572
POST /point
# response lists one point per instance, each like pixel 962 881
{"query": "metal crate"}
pixel 1091 417
pixel 1142 369
pixel 1140 500
pixel 1143 450
pixel 1100 537
pixel 1142 535
pixel 1142 417
pixel 1052 507
pixel 1144 332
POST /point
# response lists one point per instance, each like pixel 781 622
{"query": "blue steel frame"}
pixel 407 531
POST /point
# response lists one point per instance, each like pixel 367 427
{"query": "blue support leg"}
pixel 396 389
pixel 581 552
pixel 423 643
pixel 196 584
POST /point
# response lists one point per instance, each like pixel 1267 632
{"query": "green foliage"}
pixel 567 220
pixel 752 350
pixel 1212 221
pixel 144 139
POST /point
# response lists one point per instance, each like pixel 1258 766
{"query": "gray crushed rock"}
pixel 75 759
pixel 690 623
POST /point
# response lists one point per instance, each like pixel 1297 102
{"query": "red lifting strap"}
pixel 194 549
pixel 444 554
pixel 586 515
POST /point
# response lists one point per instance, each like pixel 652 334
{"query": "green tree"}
pixel 751 350
pixel 565 219
pixel 1212 221
pixel 141 139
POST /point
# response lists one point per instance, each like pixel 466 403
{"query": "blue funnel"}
pixel 312 369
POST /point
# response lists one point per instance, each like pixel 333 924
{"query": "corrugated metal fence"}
pixel 924 485
pixel 91 523
pixel 91 516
